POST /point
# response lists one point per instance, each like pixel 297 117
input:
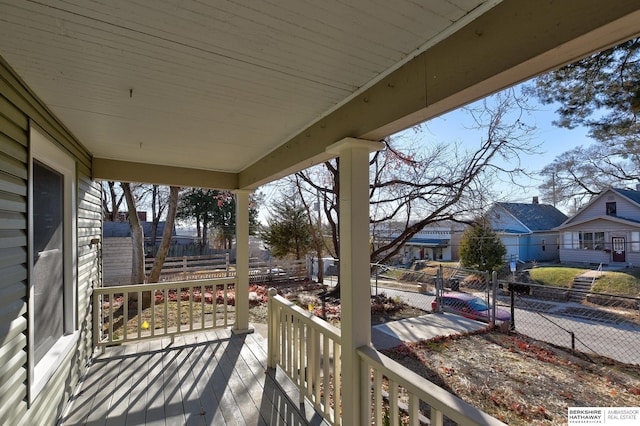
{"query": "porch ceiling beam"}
pixel 510 43
pixel 125 171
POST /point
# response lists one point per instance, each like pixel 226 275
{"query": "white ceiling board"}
pixel 207 75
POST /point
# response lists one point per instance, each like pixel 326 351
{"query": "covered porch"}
pixel 200 370
pixel 232 95
pixel 209 378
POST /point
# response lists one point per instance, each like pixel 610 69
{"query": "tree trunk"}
pixel 161 255
pixel 155 218
pixel 137 237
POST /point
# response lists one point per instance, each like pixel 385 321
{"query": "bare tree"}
pixel 159 201
pixel 137 236
pixel 111 201
pixel 415 185
pixel 161 255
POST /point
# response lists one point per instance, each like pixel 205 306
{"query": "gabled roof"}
pixel 630 194
pixel 535 217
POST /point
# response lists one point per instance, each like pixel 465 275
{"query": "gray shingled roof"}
pixel 629 193
pixel 536 217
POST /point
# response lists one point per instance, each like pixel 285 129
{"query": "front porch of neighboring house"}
pixel 151 368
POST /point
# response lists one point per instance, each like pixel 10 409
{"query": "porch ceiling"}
pixel 233 94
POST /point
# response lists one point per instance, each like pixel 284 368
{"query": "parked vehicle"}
pixel 471 306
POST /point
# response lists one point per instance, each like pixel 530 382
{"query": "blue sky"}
pixel 552 140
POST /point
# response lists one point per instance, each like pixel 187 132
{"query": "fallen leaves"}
pixel 517 379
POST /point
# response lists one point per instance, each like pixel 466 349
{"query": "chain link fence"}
pixel 593 324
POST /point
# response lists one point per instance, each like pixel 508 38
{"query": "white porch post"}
pixel 242 262
pixel 355 290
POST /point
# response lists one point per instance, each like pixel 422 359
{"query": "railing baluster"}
pixel 225 290
pixel 179 302
pixel 191 307
pixel 437 419
pixel 152 308
pixel 365 393
pixel 316 366
pixel 377 397
pixel 203 306
pixel 166 310
pixel 326 375
pixel 111 318
pixel 414 409
pixel 139 313
pixel 393 403
pixel 337 378
pixel 295 348
pixel 304 381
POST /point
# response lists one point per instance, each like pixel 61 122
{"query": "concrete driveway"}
pixel 393 333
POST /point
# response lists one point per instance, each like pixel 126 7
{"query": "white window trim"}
pixel 46 152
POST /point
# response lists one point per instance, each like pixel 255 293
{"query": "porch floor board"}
pixel 210 378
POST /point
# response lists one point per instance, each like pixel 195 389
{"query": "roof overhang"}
pixel 612 219
pixel 236 97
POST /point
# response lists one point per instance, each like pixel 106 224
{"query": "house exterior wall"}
pixel 543 247
pixel 502 220
pixel 611 229
pixel 19 109
pixel 624 207
pixel 512 244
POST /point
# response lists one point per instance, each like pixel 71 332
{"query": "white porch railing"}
pixel 145 311
pixel 308 350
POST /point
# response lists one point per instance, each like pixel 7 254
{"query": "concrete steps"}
pixel 583 285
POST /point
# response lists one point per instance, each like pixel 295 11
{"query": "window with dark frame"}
pixel 48 254
pixel 611 208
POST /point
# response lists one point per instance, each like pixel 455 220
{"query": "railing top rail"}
pixel 438 398
pixel 164 285
pixel 330 330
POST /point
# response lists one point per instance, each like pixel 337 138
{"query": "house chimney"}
pixel 535 200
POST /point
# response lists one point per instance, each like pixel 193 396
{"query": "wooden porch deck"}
pixel 211 378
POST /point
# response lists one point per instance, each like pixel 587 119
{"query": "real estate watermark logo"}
pixel 611 416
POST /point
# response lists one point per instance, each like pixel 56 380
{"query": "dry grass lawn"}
pixel 518 380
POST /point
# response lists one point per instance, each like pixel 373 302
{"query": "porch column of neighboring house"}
pixel 355 290
pixel 242 262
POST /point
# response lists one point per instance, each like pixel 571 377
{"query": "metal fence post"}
pixel 494 297
pixel 512 321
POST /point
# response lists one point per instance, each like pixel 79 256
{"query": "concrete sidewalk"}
pixel 392 334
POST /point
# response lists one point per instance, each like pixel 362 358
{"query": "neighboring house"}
pixel 607 230
pixel 437 241
pixel 526 230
